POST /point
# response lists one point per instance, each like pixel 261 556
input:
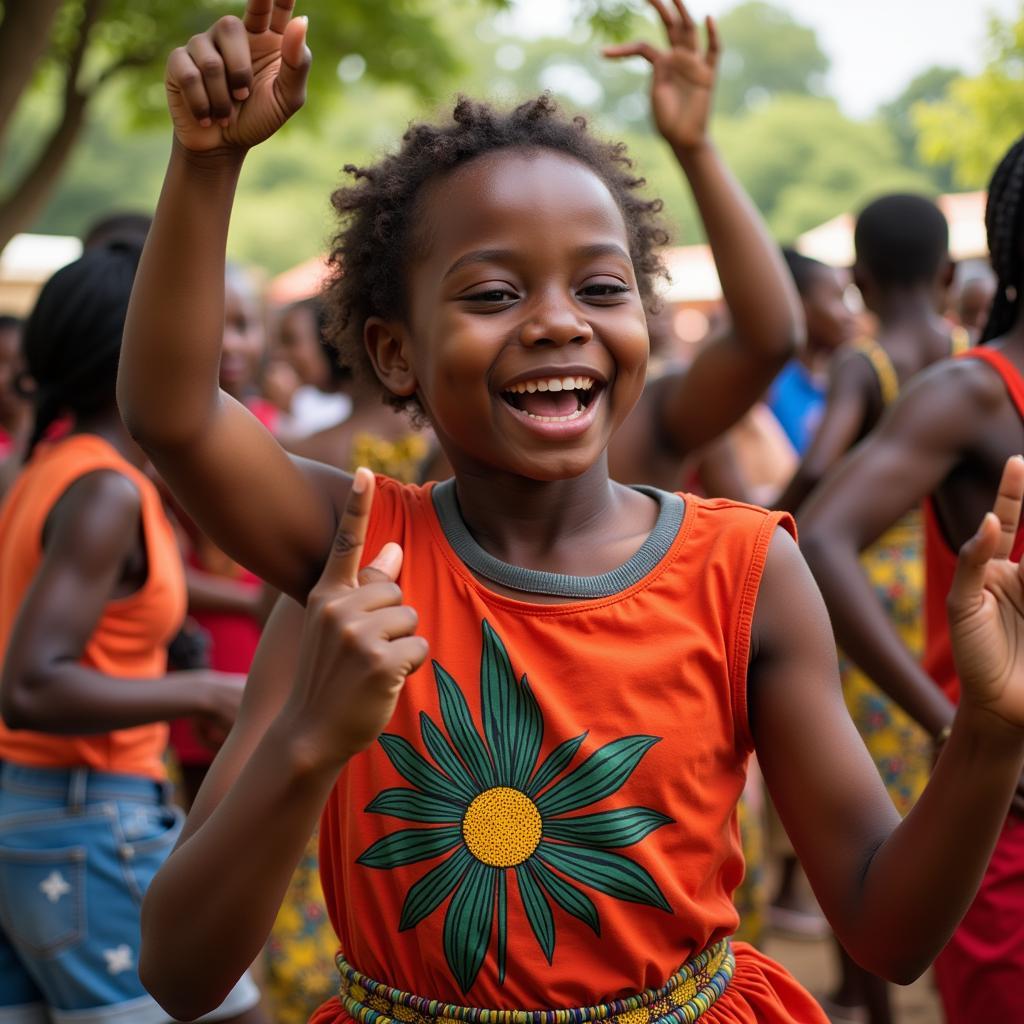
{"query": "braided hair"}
pixel 72 338
pixel 1003 214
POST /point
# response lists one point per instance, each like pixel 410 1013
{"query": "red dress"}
pixel 549 820
pixel 980 973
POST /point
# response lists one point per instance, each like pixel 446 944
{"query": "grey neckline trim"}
pixel 536 581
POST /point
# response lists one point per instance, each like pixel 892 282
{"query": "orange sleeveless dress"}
pixel 979 972
pixel 131 636
pixel 549 820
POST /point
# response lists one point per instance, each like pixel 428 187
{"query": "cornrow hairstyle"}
pixel 1003 213
pixel 72 338
pixel 901 239
pixel 372 251
pixel 802 268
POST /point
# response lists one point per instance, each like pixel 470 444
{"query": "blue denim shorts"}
pixel 78 849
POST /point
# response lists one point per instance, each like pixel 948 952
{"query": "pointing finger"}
pixel 342 568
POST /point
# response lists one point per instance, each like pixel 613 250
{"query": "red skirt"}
pixel 980 973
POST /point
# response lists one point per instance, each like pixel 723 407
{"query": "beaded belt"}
pixel 684 998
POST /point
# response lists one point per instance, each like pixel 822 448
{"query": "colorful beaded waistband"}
pixel 684 998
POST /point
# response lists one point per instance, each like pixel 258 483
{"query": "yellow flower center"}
pixel 502 827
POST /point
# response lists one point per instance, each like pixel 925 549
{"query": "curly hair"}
pixel 371 252
pixel 1003 224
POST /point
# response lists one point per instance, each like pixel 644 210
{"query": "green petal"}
pixel 528 731
pixel 623 827
pixel 433 889
pixel 538 913
pixel 443 754
pixel 567 896
pixel 467 925
pixel 412 805
pixel 555 763
pixel 607 872
pixel 598 777
pixel 499 703
pixel 459 723
pixel 502 898
pixel 409 846
pixel 415 768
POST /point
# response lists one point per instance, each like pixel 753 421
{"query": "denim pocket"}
pixel 42 898
pixel 147 834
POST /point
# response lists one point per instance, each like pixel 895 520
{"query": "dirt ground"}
pixel 813 964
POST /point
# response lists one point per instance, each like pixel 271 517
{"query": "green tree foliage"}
pixel 72 51
pixel 979 117
pixel 803 161
pixel 766 53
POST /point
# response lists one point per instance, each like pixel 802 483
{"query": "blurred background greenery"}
pixel 83 129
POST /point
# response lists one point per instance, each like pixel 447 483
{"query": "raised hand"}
pixel 358 642
pixel 234 85
pixel 986 607
pixel 683 76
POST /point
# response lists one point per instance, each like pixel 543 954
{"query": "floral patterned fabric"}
pixel 900 748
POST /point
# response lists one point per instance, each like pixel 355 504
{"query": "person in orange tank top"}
pixel 944 444
pixel 538 825
pixel 90 593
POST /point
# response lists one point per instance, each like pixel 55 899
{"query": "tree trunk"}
pixel 26 200
pixel 24 36
pixel 19 209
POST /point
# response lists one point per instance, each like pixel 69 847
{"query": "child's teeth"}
pixel 542 385
pixel 531 386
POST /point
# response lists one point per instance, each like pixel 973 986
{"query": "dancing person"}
pixel 91 591
pixel 544 817
pixel 943 443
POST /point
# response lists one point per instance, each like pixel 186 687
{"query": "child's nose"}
pixel 555 323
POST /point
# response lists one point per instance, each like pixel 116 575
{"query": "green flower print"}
pixel 493 810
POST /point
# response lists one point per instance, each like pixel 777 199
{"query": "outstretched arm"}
pixel 903 461
pixel 850 384
pixel 893 891
pixel 313 705
pixel 228 89
pixel 731 373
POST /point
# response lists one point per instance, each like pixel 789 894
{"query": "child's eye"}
pixel 491 295
pixel 604 289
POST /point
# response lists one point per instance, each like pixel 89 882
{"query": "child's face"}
pixel 242 348
pixel 527 280
pixel 830 322
pixel 298 342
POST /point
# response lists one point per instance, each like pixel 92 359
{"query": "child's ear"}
pixel 947 273
pixel 389 348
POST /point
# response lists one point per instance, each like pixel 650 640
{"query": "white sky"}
pixel 876 46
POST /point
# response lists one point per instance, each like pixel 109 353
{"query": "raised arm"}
pixel 731 373
pixel 91 532
pixel 228 89
pixel 893 891
pixel 850 384
pixel 313 705
pixel 904 460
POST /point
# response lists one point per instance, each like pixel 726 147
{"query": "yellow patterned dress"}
pixel 299 967
pixel 900 748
